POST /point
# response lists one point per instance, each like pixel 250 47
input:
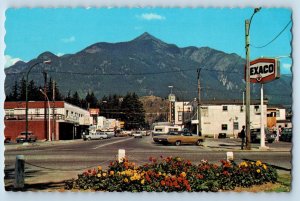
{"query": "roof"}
pixel 32 104
pixel 231 102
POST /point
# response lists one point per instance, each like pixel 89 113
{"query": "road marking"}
pixel 103 145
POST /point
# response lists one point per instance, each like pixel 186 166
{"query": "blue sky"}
pixel 29 32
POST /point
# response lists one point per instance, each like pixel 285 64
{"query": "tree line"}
pixel 126 108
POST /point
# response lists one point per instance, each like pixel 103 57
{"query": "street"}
pixel 50 162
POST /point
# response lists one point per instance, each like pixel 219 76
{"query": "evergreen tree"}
pixel 91 100
pixel 22 90
pixel 75 99
pixel 68 97
pixel 133 112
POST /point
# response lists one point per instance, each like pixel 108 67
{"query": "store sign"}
pixel 172 98
pixel 264 70
pixel 94 111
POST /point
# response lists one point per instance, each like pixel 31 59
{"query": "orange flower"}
pixel 111 172
pixel 183 174
pixel 99 168
pixel 163 183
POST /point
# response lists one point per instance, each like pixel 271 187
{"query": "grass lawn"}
pixel 283 185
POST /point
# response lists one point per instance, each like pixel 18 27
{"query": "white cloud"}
pixel 9 61
pixel 151 16
pixel 69 40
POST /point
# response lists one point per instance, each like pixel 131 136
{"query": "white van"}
pixel 95 136
pixel 164 130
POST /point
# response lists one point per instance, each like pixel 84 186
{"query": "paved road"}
pixel 56 161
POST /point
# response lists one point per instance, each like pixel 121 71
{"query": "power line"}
pixel 273 38
pixel 128 74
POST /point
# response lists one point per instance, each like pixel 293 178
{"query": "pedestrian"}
pixel 242 135
pixel 278 133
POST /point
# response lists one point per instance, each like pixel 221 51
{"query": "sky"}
pixel 30 32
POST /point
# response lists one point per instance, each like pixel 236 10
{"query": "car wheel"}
pixel 198 143
pixel 177 143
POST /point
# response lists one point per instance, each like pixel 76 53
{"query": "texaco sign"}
pixel 264 70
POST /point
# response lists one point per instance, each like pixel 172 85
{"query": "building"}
pixel 219 117
pixel 277 116
pixel 66 121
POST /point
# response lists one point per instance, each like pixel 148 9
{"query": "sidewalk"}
pixel 235 145
pixel 39 144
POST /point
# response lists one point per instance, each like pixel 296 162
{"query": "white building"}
pixel 221 116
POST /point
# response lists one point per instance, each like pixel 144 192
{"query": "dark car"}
pixel 255 135
pixel 286 135
pixel 22 137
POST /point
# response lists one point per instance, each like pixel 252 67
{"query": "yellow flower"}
pixel 264 166
pixel 111 172
pixel 258 163
pixel 126 180
pixel 104 174
pixel 164 174
pixel 183 174
pixel 143 181
pixel 98 175
pixel 159 173
pixel 258 170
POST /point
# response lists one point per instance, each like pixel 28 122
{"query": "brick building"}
pixel 66 121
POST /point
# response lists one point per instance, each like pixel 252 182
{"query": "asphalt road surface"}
pixel 57 161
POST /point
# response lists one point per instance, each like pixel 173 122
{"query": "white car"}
pixel 137 134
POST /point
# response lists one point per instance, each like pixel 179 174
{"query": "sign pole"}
pixel 262 125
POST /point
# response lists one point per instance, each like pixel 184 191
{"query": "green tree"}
pixel 133 112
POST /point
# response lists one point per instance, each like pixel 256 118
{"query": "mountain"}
pixel 147 65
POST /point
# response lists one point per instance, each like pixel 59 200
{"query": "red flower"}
pixel 188 188
pixel 89 171
pixel 226 173
pixel 163 183
pixel 200 176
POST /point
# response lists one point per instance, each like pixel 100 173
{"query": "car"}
pixel 7 139
pixel 255 135
pixel 22 137
pixel 178 138
pixel 286 135
pixel 137 134
pixel 95 136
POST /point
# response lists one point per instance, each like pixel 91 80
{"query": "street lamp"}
pixel 49 136
pixel 26 94
pixel 247 39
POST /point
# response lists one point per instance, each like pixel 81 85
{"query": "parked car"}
pixel 95 136
pixel 7 139
pixel 22 137
pixel 137 134
pixel 178 138
pixel 255 135
pixel 286 135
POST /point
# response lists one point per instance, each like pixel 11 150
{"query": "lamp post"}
pixel 26 94
pixel 49 135
pixel 247 40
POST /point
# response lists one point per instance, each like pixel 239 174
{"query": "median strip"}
pixel 103 145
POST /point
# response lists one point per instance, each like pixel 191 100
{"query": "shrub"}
pixel 174 174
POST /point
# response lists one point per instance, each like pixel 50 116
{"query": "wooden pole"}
pixel 19 172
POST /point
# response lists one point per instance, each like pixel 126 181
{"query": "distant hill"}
pixel 147 66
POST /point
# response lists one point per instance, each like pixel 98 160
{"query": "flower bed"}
pixel 174 174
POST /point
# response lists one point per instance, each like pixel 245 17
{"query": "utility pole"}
pixel 53 105
pixel 247 40
pixel 45 105
pixel 199 103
